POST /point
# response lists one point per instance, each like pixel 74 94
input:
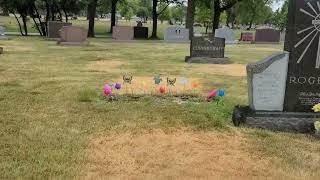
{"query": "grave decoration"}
pixel 227 34
pixel 183 91
pixel 127 80
pixel 176 34
pixel 171 83
pixel 284 87
pixel 207 50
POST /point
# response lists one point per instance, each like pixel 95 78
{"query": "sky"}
pixel 277 5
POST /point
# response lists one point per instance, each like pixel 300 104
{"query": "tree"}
pixel 91 14
pixel 113 14
pixel 280 17
pixel 219 7
pixel 190 16
pixel 156 13
pixel 253 11
pixel 179 13
pixel 165 15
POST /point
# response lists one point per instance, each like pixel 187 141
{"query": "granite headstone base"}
pixel 84 43
pixel 207 60
pixel 1 50
pixel 293 122
pixel 141 33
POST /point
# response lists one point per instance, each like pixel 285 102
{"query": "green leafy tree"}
pixel 280 17
pixel 253 12
pixel 166 15
pixel 179 13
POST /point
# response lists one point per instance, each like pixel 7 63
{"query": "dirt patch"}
pixel 175 155
pixel 112 66
pixel 225 70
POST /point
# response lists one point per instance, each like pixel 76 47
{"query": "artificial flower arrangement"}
pixel 316 109
pixel 160 89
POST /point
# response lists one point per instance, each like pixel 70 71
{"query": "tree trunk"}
pixel 154 19
pixel 216 16
pixel 66 14
pixel 18 23
pixel 47 12
pixel 113 14
pixel 42 27
pixel 190 17
pixel 92 14
pixel 250 24
pixel 52 13
pixel 24 20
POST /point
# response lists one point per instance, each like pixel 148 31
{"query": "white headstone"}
pixel 2 32
pixel 177 34
pixel 227 34
pixel 267 83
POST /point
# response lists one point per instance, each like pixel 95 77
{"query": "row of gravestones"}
pixel 66 34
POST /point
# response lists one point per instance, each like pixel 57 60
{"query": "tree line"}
pixel 208 13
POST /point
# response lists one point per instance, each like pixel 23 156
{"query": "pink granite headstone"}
pixel 72 35
pixel 125 33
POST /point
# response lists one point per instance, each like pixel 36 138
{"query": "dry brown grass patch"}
pixel 175 155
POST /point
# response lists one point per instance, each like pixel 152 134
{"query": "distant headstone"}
pixel 72 35
pixel 54 28
pixel 2 32
pixel 227 34
pixel 267 83
pixel 176 34
pixel 1 50
pixel 246 36
pixel 267 36
pixel 123 33
pixel 140 32
pixel 207 50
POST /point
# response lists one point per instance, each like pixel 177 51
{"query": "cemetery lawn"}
pixel 55 122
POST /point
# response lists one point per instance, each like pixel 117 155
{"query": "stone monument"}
pixel 176 34
pixel 72 35
pixel 227 34
pixel 2 32
pixel 123 33
pixel 246 36
pixel 140 32
pixel 54 29
pixel 208 50
pixel 267 35
pixel 284 87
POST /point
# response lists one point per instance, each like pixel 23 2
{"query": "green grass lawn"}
pixel 51 104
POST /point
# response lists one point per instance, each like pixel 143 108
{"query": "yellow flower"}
pixel 316 108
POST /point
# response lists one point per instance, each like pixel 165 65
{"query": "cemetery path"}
pixel 175 155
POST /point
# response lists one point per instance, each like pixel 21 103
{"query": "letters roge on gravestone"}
pixel 303 43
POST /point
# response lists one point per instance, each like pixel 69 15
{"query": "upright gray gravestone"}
pixel 267 83
pixel 207 50
pixel 303 43
pixel 2 32
pixel 227 34
pixel 284 87
pixel 176 34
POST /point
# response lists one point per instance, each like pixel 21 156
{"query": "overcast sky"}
pixel 276 6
